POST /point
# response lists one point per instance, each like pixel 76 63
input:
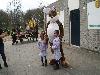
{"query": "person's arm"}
pixel 38 44
pixel 48 24
pixel 46 39
pixel 3 35
pixel 60 28
pixel 47 27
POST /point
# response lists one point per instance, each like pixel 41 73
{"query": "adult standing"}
pixel 2 35
pixel 14 36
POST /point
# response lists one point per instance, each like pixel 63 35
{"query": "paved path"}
pixel 23 59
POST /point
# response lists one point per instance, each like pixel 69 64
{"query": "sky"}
pixel 73 4
pixel 26 4
pixel 31 4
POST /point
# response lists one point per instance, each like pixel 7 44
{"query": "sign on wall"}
pixel 93 16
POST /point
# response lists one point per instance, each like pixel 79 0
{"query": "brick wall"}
pixel 89 39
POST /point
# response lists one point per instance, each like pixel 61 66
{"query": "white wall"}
pixel 73 4
pixel 61 17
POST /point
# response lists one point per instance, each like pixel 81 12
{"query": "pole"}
pixel 45 21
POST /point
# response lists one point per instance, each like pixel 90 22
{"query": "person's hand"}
pixel 48 23
pixel 46 37
pixel 2 35
pixel 5 34
pixel 52 50
pixel 50 47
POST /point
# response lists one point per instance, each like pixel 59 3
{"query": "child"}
pixel 42 45
pixel 56 49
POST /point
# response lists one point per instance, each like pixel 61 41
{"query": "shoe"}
pixel 42 64
pixel 56 67
pixel 0 66
pixel 16 42
pixel 5 64
pixel 12 43
pixel 45 63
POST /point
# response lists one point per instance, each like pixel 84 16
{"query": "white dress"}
pixel 43 48
pixel 52 27
pixel 56 48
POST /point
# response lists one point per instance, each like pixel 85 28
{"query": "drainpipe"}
pixel 44 19
pixel 69 28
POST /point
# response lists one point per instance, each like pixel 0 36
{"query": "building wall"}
pixel 89 39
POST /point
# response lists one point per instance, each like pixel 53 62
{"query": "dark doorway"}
pixel 75 27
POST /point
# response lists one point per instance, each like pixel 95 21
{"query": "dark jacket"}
pixel 1 46
pixel 1 43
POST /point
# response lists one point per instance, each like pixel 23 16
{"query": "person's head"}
pixel 56 33
pixel 42 35
pixel 52 12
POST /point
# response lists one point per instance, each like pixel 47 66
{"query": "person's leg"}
pixel 52 61
pixel 3 55
pixel 45 61
pixel 33 37
pixel 36 37
pixel 4 59
pixel 62 54
pixel 63 62
pixel 0 66
pixel 51 48
pixel 56 64
pixel 42 61
pixel 12 40
pixel 16 40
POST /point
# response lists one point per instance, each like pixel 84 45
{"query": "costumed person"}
pixel 42 45
pixel 14 36
pixel 2 35
pixel 52 25
pixel 56 49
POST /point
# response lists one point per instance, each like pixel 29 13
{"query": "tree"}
pixel 4 20
pixel 17 19
pixel 36 14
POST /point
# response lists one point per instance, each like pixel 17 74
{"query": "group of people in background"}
pixel 20 35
